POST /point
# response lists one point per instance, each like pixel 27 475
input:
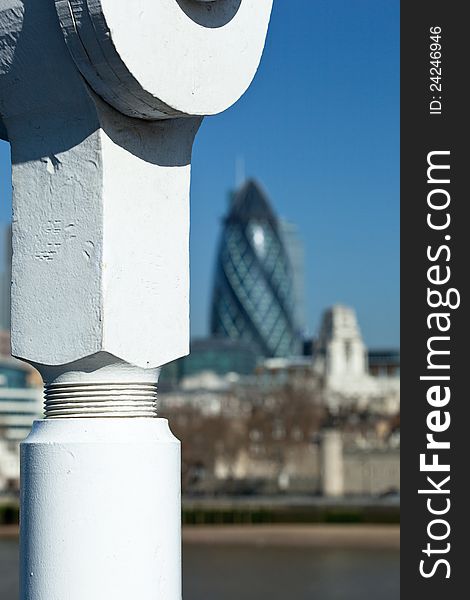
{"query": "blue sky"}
pixel 319 128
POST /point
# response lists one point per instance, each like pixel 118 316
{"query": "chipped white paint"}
pixel 100 245
pixel 101 101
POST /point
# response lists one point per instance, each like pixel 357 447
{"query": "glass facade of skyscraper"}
pixel 253 297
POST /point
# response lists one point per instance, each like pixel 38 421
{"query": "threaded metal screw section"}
pixel 109 400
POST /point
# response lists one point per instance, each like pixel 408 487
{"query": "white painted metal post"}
pixel 101 101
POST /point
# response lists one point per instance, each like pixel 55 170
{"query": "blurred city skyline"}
pixel 319 129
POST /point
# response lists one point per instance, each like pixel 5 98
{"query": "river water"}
pixel 264 573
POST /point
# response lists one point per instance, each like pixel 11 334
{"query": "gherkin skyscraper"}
pixel 253 296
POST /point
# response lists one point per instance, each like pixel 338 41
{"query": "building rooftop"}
pixel 250 203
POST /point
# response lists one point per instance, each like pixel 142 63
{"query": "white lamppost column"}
pixel 101 102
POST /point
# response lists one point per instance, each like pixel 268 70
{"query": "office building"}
pixel 254 296
pixel 20 404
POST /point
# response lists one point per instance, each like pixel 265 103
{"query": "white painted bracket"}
pixel 101 101
pixel 100 262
